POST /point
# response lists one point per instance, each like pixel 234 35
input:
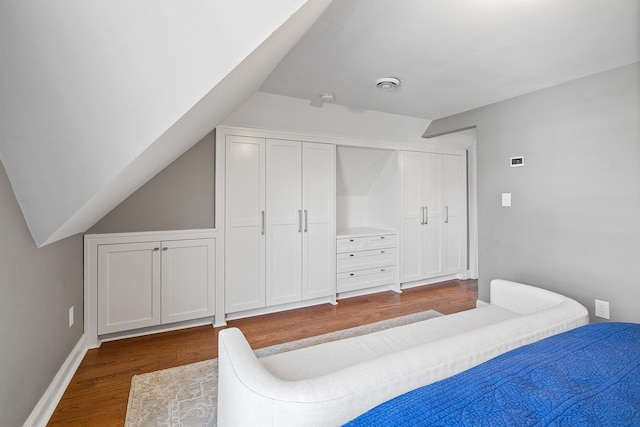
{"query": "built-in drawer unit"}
pixel 366 261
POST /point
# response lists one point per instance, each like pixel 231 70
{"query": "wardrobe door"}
pixel 318 228
pixel 454 202
pixel 245 222
pixel 412 217
pixel 283 222
pixel 433 193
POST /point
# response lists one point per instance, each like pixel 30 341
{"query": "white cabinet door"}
pixel 188 279
pixel 454 201
pixel 434 211
pixel 283 222
pixel 319 229
pixel 245 222
pixel 412 217
pixel 128 286
pixel 280 222
pixel 433 215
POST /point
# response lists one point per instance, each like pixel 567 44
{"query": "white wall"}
pixel 37 288
pixel 573 227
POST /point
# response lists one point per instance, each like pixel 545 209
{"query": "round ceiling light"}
pixel 388 83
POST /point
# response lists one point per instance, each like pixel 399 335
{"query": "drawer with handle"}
pixel 365 259
pixel 351 244
pixel 365 278
pixel 385 241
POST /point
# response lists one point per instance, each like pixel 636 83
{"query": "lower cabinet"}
pixel 143 284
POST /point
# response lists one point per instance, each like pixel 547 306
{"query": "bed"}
pixel 588 376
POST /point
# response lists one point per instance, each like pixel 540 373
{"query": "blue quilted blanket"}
pixel 589 376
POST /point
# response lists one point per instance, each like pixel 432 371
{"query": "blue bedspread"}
pixel 589 376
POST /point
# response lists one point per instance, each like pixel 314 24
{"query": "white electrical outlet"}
pixel 602 309
pixel 71 316
pixel 506 199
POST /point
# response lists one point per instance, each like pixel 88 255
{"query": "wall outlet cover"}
pixel 506 199
pixel 602 309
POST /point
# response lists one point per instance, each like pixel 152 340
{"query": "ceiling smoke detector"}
pixel 387 83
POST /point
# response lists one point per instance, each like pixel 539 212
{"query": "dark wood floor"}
pixel 98 392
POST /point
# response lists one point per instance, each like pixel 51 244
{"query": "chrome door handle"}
pixel 446 214
pixel 422 215
pixel 426 215
pixel 299 221
pixel 262 223
pixel 306 221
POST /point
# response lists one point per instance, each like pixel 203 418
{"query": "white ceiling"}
pixel 454 55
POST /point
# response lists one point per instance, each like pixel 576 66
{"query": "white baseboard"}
pixel 49 401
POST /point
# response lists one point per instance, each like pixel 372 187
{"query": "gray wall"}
pixel 574 226
pixel 37 288
pixel 179 197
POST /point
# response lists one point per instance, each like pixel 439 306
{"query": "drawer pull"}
pixel 350 254
pixel 350 274
pixel 381 237
pixel 351 240
pixel 381 252
pixel 382 269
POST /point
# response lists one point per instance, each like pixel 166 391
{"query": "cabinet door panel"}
pixel 412 250
pixel 188 279
pixel 412 228
pixel 283 222
pixel 128 286
pixel 245 241
pixel 319 229
pixel 454 247
pixel 411 184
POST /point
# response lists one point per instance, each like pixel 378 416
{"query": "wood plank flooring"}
pixel 98 392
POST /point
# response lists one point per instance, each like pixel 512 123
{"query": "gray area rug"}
pixel 186 396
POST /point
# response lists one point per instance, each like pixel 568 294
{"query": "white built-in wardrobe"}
pixel 280 222
pixel 433 215
pixel 300 220
pixel 312 219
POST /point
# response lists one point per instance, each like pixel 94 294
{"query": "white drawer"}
pixel 365 259
pixel 351 244
pixel 384 241
pixel 365 278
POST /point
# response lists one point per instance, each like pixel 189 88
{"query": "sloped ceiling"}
pixel 97 97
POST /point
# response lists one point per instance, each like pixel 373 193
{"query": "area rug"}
pixel 186 396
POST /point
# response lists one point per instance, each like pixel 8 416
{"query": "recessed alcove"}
pixel 366 189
